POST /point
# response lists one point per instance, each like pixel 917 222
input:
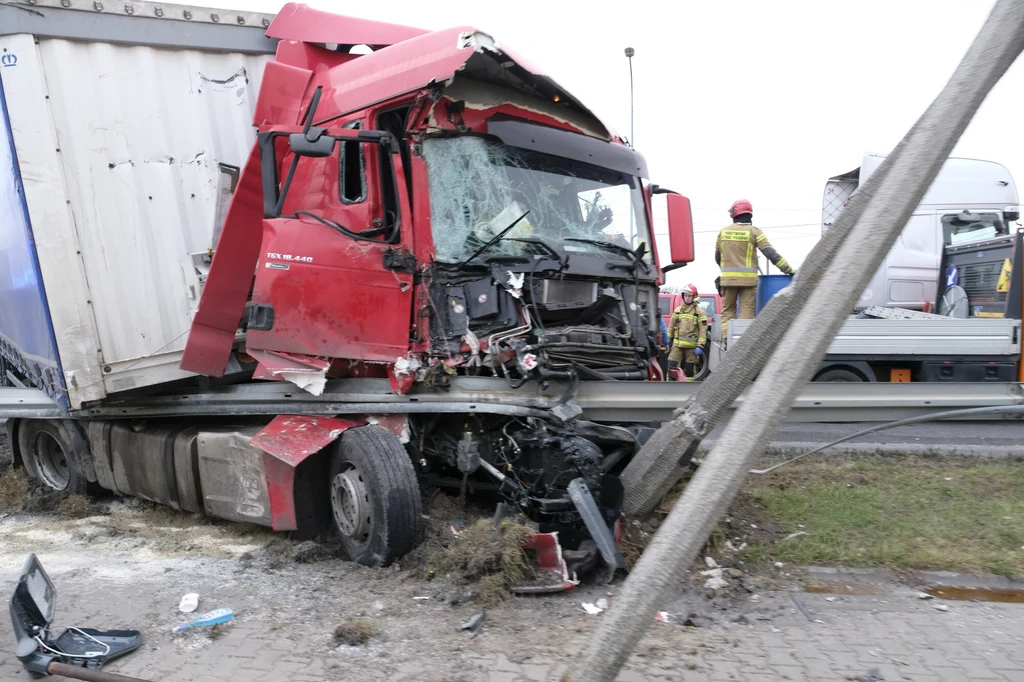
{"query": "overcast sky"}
pixel 756 100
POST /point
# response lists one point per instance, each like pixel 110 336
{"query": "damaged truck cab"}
pixel 434 210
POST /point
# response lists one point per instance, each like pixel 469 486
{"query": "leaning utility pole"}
pixel 719 479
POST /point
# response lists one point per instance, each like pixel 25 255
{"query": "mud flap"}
pixel 286 442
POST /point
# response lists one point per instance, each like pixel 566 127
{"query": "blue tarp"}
pixel 26 333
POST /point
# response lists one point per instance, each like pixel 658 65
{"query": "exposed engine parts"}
pixel 530 462
pixel 534 321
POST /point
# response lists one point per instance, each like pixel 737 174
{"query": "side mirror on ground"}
pixel 77 653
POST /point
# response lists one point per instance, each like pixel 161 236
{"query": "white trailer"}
pixel 128 122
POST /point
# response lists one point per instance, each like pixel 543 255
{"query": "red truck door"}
pixel 334 277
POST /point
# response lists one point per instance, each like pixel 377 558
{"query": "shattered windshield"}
pixel 478 188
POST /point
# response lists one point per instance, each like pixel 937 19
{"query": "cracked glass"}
pixel 479 187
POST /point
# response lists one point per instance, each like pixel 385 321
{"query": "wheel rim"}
pixel 351 504
pixel 51 461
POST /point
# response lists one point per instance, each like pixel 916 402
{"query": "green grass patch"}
pixel 906 514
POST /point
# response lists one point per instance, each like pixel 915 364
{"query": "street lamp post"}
pixel 629 55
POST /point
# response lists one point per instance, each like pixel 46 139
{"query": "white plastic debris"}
pixel 408 365
pixel 924 595
pixel 779 564
pixel 728 546
pixel 592 609
pixel 602 604
pixel 716 583
pixel 795 535
pixel 189 603
pixel 663 616
pixel 310 383
pixel 940 607
pixel 831 598
pixel 710 562
pixel 421 598
pixel 515 283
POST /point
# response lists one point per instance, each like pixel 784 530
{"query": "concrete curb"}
pixel 936 578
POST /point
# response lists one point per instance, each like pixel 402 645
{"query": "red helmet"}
pixel 740 207
pixel 692 288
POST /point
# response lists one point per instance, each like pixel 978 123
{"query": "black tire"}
pixel 839 375
pixel 47 451
pixel 375 499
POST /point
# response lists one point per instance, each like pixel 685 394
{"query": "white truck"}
pixel 969 200
pixel 959 257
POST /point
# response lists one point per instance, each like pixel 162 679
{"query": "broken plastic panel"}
pixel 33 607
pixel 479 187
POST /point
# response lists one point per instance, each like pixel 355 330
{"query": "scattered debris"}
pixel 924 595
pixel 592 609
pixel 14 490
pixel 356 631
pixel 940 607
pixel 831 598
pixel 710 562
pixel 421 598
pixel 716 583
pixel 794 535
pixel 208 619
pixel 491 560
pixel 189 603
pixel 475 624
pixel 663 616
pixel 308 552
pixel 75 506
pixel 779 564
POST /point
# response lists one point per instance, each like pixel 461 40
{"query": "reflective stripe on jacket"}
pixel 735 251
pixel 689 326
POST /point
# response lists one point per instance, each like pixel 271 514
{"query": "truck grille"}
pixel 567 293
pixel 979 280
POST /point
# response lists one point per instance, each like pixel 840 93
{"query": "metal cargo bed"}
pixel 987 337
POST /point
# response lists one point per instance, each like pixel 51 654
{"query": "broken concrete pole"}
pixel 719 479
pixel 663 459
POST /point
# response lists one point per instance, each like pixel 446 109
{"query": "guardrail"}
pixel 598 400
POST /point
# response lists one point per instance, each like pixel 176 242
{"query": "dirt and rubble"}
pixel 127 563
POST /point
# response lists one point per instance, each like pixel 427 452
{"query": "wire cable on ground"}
pixel 938 416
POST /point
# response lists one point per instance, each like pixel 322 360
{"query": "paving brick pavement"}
pixel 285 620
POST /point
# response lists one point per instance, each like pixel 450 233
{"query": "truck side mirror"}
pixel 312 143
pixel 680 229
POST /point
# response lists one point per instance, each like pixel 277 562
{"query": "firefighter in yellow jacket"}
pixel 687 333
pixel 736 256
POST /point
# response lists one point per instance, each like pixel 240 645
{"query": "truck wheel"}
pixel 375 499
pixel 46 448
pixel 838 375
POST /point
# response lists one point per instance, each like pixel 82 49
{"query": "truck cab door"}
pixel 334 278
pixel 912 265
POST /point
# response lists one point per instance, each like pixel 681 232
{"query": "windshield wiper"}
pixel 637 259
pixel 492 241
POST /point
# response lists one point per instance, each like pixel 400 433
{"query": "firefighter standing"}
pixel 736 256
pixel 687 333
